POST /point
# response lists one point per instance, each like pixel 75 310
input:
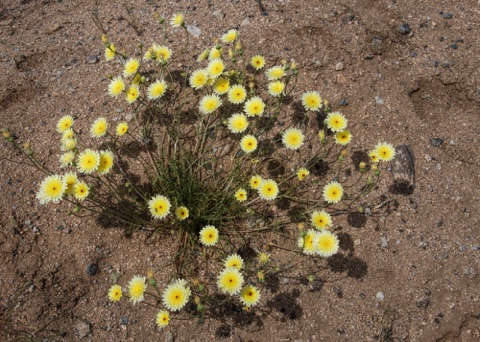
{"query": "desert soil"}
pixel 409 274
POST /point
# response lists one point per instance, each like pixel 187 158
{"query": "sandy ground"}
pixel 407 275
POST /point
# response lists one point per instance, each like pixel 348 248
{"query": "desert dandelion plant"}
pixel 206 152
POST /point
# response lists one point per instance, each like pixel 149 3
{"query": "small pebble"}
pixel 436 141
pixel 343 102
pixel 124 320
pixel 83 329
pixel 379 100
pixel 169 337
pixel 475 248
pixel 462 248
pixel 447 15
pixel 405 29
pixel 92 59
pixel 384 242
pixel 380 296
pixel 454 46
pixel 339 66
pixel 92 269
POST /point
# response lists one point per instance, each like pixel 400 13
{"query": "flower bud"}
pixel 362 166
pixel 104 38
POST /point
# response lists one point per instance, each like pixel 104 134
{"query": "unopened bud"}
pixel 344 153
pixel 374 167
pixel 251 84
pixel 197 300
pixel 104 38
pixel 77 209
pixel 6 133
pixel 362 166
pixel 311 278
pixel 261 276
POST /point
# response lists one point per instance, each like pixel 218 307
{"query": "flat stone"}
pixel 436 141
pixel 379 100
pixel 403 169
pixel 384 242
pixel 339 66
pixel 169 337
pixel 83 329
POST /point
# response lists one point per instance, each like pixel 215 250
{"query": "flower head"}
pixel 198 78
pixel 249 295
pixel 70 178
pixel 306 242
pixel 268 189
pixel 176 295
pixel 255 181
pixel 274 73
pixel 257 62
pixel 88 161
pixel 215 53
pixel 237 94
pixel 80 190
pixel 209 236
pixel 68 134
pixel 159 206
pixel 302 173
pixel 51 189
pixel 157 89
pixel 293 138
pixel 181 213
pixel 326 243
pixel 132 93
pixel 230 36
pixel 385 151
pixel 177 20
pixel 116 87
pixel 162 53
pixel 333 192
pixel 68 144
pixel 106 162
pixel 248 144
pixel 221 85
pixel 121 129
pixel 210 103
pixel 162 318
pixel 67 158
pixel 237 123
pixel 255 106
pixel 234 261
pixel 115 293
pixel 374 156
pixel 311 100
pixel 64 123
pixel 343 137
pixel 276 88
pixel 321 219
pixel 230 281
pixel 204 55
pixel 215 67
pixel 131 67
pixel 263 258
pixel 336 122
pixel 99 128
pixel 136 289
pixel 110 52
pixel 241 195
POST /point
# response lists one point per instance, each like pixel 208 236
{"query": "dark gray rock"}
pixel 447 15
pixel 92 269
pixel 436 141
pixel 405 29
